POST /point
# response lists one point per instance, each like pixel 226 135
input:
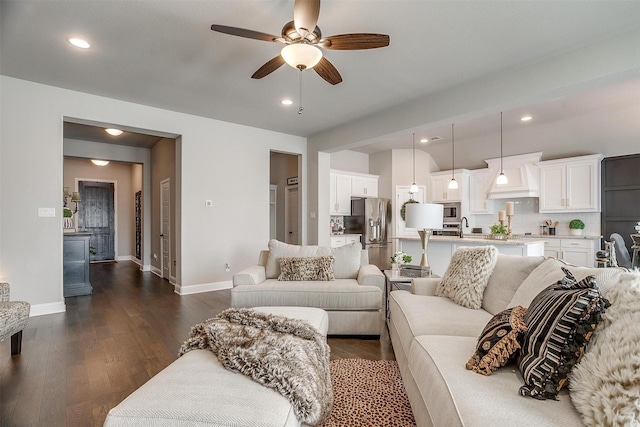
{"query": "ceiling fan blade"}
pixel 355 41
pixel 241 32
pixel 268 68
pixel 305 15
pixel 328 72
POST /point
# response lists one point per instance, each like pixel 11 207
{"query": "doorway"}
pixel 285 186
pixel 97 217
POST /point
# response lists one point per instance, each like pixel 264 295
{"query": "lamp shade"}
pixel 301 55
pixel 426 216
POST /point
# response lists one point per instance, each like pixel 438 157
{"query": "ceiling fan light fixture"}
pixel 301 55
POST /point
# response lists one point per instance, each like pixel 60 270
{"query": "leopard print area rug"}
pixel 368 393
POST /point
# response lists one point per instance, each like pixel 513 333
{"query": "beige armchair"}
pixel 14 316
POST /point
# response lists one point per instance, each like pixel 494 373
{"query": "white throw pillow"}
pixel 347 260
pixel 605 385
pixel 467 275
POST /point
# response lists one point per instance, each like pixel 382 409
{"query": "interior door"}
pixel 165 227
pixel 291 216
pixel 96 216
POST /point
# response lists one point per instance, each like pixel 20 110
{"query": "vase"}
pixel 395 267
pixel 575 231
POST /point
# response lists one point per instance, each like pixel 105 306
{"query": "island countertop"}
pixel 477 240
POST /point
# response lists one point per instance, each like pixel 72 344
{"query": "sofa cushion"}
pixel 509 273
pixel 279 250
pixel 467 275
pixel 339 294
pixel 347 258
pixel 306 268
pixel 605 385
pixel 550 271
pixel 457 397
pixel 416 315
pixel 560 322
pixel 499 342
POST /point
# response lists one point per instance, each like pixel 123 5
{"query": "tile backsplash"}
pixel 527 219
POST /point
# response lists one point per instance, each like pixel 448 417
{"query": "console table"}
pixel 75 265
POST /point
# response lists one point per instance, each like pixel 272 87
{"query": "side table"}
pixel 397 282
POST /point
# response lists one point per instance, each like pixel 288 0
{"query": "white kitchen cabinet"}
pixel 340 194
pixel 342 240
pixel 440 191
pixel 570 185
pixel 580 252
pixel 479 185
pixel 364 186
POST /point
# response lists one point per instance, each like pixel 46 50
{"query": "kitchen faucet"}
pixel 466 222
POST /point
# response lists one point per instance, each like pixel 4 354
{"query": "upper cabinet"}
pixel 440 191
pixel 364 186
pixel 479 183
pixel 340 194
pixel 345 185
pixel 570 185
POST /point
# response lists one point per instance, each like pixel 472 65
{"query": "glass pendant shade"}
pixel 414 188
pixel 453 184
pixel 502 179
pixel 301 55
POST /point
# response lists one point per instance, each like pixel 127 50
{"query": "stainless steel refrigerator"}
pixel 371 217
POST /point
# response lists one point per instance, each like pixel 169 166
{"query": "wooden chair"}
pixel 14 316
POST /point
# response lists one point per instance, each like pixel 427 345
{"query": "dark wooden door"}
pixel 620 196
pixel 96 216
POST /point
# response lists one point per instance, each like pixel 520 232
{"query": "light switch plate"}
pixel 46 212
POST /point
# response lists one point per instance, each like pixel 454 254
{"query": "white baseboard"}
pixel 49 308
pixel 156 271
pixel 145 267
pixel 125 258
pixel 205 287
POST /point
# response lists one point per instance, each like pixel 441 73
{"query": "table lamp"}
pixel 426 217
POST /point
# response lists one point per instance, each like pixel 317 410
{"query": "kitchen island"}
pixel 440 248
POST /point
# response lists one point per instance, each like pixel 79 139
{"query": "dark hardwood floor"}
pixel 77 365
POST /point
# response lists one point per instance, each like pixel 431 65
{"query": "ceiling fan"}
pixel 303 39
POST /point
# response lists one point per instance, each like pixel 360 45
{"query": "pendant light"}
pixel 414 187
pixel 453 184
pixel 502 178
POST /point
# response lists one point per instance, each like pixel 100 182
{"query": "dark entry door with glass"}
pixel 96 216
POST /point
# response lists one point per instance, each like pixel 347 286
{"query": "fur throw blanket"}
pixel 284 354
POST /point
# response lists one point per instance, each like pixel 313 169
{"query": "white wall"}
pixel 218 159
pixel 351 161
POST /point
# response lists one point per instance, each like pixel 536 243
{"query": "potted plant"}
pixel 398 259
pixel 576 226
pixel 499 231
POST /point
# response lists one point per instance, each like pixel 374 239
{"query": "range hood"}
pixel 522 173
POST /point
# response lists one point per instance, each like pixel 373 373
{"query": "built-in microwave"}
pixel 451 212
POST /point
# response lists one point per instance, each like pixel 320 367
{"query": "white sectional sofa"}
pixel 433 338
pixel 354 300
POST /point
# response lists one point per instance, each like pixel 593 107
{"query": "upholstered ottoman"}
pixel 196 390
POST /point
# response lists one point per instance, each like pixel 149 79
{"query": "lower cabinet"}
pixel 344 240
pixel 579 252
pixel 75 265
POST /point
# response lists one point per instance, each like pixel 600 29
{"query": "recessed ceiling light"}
pixel 100 162
pixel 82 44
pixel 526 118
pixel 424 140
pixel 114 132
pixel 287 102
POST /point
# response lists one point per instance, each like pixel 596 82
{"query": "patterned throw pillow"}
pixel 560 322
pixel 467 275
pixel 306 268
pixel 499 342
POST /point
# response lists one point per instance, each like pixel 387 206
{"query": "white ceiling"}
pixel 163 54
